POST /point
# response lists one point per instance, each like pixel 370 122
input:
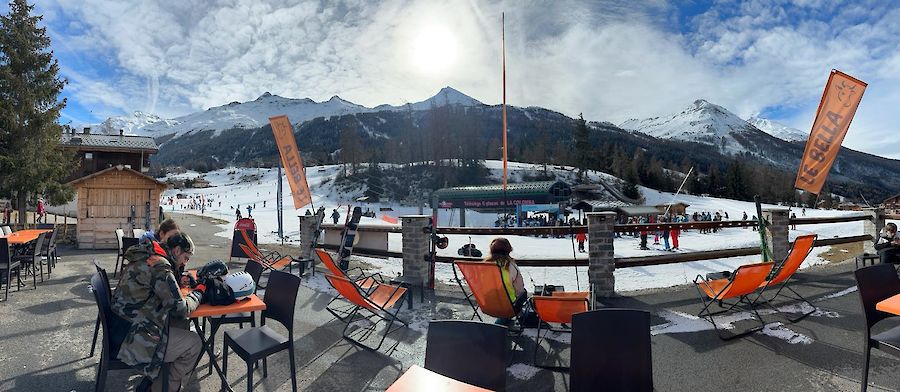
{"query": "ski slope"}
pixel 228 188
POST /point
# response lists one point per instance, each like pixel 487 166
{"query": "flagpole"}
pixel 505 148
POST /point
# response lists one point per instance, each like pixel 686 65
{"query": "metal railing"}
pixel 621 262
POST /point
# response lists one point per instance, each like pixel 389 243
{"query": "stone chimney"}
pixel 87 130
pixel 121 132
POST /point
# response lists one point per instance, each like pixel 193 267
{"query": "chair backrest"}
pixel 559 309
pixel 281 297
pixel 802 247
pixel 101 290
pixel 348 290
pixel 486 283
pixel 611 351
pixel 255 269
pixel 138 232
pixel 119 234
pixel 6 230
pixel 4 251
pixel 105 277
pixel 746 279
pixel 468 351
pixel 326 259
pixel 39 243
pixel 876 283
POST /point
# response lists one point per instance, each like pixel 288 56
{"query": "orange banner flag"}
pixel 839 103
pixel 290 159
pixel 389 219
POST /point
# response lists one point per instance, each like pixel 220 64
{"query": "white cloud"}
pixel 610 60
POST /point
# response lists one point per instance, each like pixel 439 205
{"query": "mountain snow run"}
pixel 240 187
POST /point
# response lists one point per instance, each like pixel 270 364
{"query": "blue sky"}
pixel 607 59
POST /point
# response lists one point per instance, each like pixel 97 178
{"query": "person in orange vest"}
pixel 581 237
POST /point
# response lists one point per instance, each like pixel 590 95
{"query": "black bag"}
pixel 217 292
pixel 718 275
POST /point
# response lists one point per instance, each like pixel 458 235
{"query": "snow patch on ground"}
pixel 522 371
pixel 318 283
pixel 778 330
pixel 839 293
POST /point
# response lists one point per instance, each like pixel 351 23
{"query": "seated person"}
pixel 150 303
pixel 888 245
pixel 167 228
pixel 512 278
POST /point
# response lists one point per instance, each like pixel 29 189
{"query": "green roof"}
pixel 541 192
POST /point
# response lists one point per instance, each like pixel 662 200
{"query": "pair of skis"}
pixel 348 237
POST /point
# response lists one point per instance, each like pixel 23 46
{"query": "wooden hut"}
pixel 677 208
pixel 117 197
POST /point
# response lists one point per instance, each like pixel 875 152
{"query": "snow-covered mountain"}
pixel 702 122
pixel 778 129
pixel 128 123
pixel 256 113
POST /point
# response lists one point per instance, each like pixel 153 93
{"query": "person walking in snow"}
pixel 581 237
pixel 665 232
pixel 754 226
pixel 643 220
pixel 237 213
pixel 335 216
pixel 249 211
pixel 793 225
pixel 675 232
pixel 745 218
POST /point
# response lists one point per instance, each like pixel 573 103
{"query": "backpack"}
pixel 217 292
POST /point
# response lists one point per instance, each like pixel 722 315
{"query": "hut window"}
pixel 88 155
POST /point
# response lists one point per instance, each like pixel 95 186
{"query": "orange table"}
pixel 249 304
pixel 890 305
pixel 24 236
pixel 420 379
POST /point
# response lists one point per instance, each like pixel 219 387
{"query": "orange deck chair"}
pixel 272 260
pixel 802 247
pixel 558 308
pixel 377 303
pixel 486 283
pixel 740 286
pixel 362 281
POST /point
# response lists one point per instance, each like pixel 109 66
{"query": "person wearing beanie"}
pixel 149 302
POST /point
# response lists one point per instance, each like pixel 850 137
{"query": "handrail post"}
pixel 416 245
pixel 601 259
pixel 777 231
pixel 872 227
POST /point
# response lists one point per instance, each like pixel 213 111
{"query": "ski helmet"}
pixel 241 284
pixel 212 269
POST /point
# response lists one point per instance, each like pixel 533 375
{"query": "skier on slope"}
pixel 335 216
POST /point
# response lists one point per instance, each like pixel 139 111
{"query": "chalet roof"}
pixel 124 143
pixel 119 168
pixel 547 191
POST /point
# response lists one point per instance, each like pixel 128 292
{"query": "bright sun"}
pixel 434 50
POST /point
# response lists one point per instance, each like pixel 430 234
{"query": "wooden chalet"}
pixel 100 151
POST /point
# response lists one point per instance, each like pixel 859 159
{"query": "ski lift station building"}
pixel 492 198
pixel 116 197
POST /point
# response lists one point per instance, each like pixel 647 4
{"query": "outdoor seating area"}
pixel 288 340
pixel 26 252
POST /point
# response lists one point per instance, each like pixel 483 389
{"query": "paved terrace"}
pixel 45 337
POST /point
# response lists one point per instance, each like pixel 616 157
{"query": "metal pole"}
pixel 279 204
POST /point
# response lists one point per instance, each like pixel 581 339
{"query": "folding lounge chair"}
pixel 486 282
pixel 557 308
pixel 363 281
pixel 467 295
pixel 744 282
pixel 272 264
pixel 378 303
pixel 802 247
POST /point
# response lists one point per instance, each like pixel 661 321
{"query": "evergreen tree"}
pixel 374 183
pixel 630 189
pixel 582 146
pixel 30 160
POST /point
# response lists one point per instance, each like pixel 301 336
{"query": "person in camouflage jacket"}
pixel 148 296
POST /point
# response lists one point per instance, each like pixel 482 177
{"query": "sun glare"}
pixel 434 50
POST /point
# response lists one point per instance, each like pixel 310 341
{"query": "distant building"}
pixel 200 182
pixel 98 151
pixel 891 205
pixel 847 206
pixel 677 208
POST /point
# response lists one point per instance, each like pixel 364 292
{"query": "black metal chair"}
pixel 611 351
pixel 7 265
pixel 253 344
pixel 469 351
pixel 48 251
pixel 30 256
pixel 877 283
pixel 127 242
pixel 105 277
pixel 110 344
pixel 255 270
pixel 121 251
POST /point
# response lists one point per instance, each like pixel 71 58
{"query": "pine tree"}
pixel 374 183
pixel 582 146
pixel 30 160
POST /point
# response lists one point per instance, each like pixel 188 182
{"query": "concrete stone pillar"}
pixel 601 261
pixel 416 245
pixel 778 221
pixel 873 227
pixel 307 234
